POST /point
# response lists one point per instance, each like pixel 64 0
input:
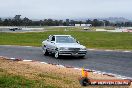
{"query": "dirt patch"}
pixel 51 74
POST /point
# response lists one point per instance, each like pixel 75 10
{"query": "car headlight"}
pixel 83 49
pixel 63 48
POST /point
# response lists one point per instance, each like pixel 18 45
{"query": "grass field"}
pixel 99 40
pixel 16 81
pixel 19 74
pixel 9 80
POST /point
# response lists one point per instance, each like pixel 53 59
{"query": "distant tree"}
pixel 88 21
pixel 45 22
pixel 0 22
pixel 64 24
pixel 96 22
pixel 10 22
pixel 107 23
pixel 5 22
pixel 50 22
pixel 80 22
pixel 17 21
pixel 127 24
pixel 72 23
pixel 60 22
pixel 56 23
pixel 25 21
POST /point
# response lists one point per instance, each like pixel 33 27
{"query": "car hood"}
pixel 69 45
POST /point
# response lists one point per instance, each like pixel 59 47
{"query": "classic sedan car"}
pixel 63 45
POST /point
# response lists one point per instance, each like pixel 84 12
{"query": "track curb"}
pixel 76 68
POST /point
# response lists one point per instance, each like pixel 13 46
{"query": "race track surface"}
pixel 107 61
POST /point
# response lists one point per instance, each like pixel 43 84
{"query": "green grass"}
pixel 14 81
pixel 100 40
pixel 17 81
pixel 54 76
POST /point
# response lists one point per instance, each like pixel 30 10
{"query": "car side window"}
pixel 53 38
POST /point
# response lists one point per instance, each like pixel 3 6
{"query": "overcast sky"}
pixel 40 9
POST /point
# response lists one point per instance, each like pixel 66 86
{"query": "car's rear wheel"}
pixel 57 56
pixel 45 51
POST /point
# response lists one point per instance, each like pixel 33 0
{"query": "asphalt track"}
pixel 115 62
pixel 20 31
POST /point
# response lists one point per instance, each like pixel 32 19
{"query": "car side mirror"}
pixel 78 42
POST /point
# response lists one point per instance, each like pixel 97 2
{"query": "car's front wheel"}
pixel 45 52
pixel 57 56
pixel 81 56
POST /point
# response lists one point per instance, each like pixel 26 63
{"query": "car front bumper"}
pixel 72 53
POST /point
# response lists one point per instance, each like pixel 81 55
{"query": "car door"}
pixel 51 44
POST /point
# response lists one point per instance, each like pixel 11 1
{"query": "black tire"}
pixel 84 81
pixel 81 56
pixel 45 51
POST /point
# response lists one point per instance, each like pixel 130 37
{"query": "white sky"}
pixel 40 9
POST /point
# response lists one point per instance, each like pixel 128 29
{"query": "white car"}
pixel 63 45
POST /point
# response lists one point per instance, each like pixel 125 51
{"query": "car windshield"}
pixel 65 39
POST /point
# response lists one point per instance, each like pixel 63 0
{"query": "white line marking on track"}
pixel 12 58
pixel 78 69
pixel 27 60
pixel 43 63
pixel 60 66
pixel 28 46
pixel 108 50
pixel 91 49
pixel 126 51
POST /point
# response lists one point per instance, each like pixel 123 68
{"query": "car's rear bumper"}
pixel 72 53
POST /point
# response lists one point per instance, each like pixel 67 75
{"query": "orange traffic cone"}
pixel 84 81
pixel 84 73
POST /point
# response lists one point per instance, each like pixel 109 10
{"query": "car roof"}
pixel 61 35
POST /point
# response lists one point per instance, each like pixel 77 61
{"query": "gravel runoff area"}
pixel 53 74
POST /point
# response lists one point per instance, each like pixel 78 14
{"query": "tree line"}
pixel 50 22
